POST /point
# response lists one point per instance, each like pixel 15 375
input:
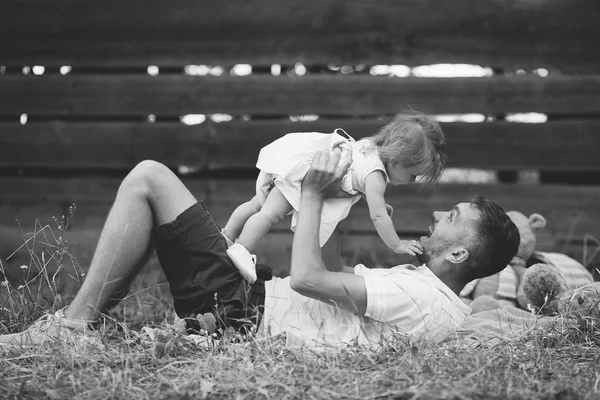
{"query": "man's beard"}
pixel 432 248
pixel 425 256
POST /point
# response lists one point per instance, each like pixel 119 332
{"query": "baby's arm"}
pixel 375 189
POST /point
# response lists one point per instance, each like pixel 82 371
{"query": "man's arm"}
pixel 331 255
pixel 309 276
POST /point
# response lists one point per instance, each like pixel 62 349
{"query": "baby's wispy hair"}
pixel 417 142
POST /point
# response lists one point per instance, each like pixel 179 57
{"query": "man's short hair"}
pixel 495 240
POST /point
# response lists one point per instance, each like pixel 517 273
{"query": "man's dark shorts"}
pixel 192 254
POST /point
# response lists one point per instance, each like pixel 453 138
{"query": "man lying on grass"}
pixel 322 302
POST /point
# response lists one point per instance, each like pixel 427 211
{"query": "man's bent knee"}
pixel 141 177
pixel 150 168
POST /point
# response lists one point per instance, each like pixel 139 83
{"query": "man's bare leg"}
pixel 151 195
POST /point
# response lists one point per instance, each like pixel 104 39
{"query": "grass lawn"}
pixel 124 361
pixel 128 365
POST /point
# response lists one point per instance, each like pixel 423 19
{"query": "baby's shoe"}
pixel 243 261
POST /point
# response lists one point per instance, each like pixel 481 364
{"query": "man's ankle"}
pixel 71 313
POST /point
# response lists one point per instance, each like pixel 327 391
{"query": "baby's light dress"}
pixel 285 162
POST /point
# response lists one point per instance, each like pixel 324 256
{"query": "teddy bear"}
pixel 545 282
pixel 547 292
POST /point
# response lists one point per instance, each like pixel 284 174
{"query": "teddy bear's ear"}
pixel 537 221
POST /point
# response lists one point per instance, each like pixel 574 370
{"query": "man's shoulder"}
pixel 408 279
pixel 361 269
pixel 408 295
pixel 409 269
pixel 404 276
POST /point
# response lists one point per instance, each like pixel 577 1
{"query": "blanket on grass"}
pixel 493 326
pixel 574 272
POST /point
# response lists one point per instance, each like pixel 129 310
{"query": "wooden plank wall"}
pixel 498 33
pixel 87 128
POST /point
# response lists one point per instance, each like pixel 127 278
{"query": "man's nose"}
pixel 437 215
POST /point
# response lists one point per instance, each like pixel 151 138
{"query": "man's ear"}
pixel 457 255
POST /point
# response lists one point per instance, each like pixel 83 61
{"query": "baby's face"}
pixel 398 174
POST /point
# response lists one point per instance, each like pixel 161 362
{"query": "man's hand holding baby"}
pixel 324 177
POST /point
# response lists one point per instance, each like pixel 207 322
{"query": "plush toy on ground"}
pixel 543 282
pixel 548 293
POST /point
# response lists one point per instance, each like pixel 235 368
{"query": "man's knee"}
pixel 150 168
pixel 143 175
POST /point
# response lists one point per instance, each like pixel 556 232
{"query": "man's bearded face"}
pixel 447 229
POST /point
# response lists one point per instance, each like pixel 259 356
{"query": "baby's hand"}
pixel 389 209
pixel 409 247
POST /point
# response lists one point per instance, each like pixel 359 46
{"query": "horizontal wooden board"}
pixel 103 145
pixel 117 95
pixel 571 212
pixel 556 145
pixel 551 33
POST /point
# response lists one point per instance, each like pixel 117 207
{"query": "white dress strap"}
pixel 343 134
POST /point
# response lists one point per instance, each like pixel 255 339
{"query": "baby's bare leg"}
pixel 272 212
pixel 240 215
